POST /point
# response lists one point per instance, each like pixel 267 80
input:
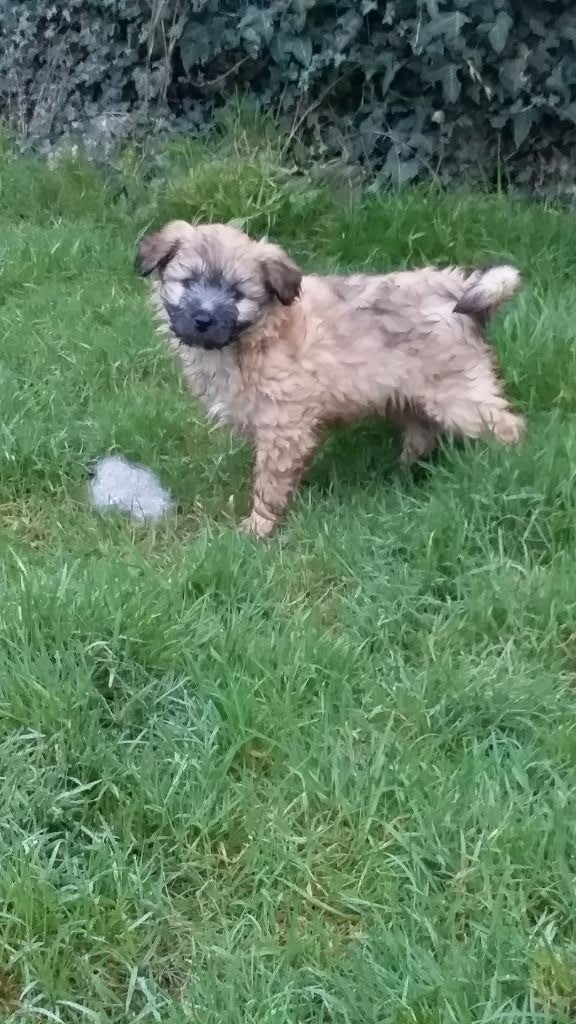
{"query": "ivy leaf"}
pixel 512 75
pixel 446 26
pixel 299 47
pixel 405 171
pixel 498 34
pixel 568 113
pixel 256 26
pixel 194 45
pixel 522 122
pixel 400 171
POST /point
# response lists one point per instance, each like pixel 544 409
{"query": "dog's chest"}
pixel 215 378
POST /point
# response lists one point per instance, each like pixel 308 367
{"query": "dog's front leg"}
pixel 281 459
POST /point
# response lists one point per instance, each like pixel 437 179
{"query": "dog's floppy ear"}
pixel 155 251
pixel 281 275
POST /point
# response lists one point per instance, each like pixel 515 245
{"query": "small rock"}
pixel 126 487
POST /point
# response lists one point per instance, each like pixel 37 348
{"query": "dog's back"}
pixel 476 292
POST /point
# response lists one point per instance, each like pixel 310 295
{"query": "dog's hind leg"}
pixel 420 434
pixel 420 440
pixel 476 409
pixel 281 459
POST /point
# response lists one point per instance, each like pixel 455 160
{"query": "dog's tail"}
pixel 488 288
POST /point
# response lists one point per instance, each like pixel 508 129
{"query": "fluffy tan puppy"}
pixel 280 356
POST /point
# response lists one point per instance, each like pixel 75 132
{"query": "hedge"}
pixel 409 89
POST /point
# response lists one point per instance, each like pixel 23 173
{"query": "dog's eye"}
pixel 236 292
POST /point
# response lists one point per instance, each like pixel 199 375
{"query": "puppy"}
pixel 280 357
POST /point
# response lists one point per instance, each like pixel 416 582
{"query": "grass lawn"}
pixel 327 779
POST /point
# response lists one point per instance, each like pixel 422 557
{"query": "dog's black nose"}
pixel 202 321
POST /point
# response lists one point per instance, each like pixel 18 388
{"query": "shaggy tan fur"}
pixel 313 351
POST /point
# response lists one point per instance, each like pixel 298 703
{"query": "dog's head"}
pixel 214 281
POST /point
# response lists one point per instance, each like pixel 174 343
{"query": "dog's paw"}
pixel 509 428
pixel 258 526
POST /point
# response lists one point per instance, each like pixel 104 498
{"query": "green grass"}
pixel 327 780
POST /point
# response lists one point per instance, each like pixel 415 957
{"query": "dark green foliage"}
pixel 483 87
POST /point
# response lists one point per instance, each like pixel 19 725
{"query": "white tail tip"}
pixel 488 288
